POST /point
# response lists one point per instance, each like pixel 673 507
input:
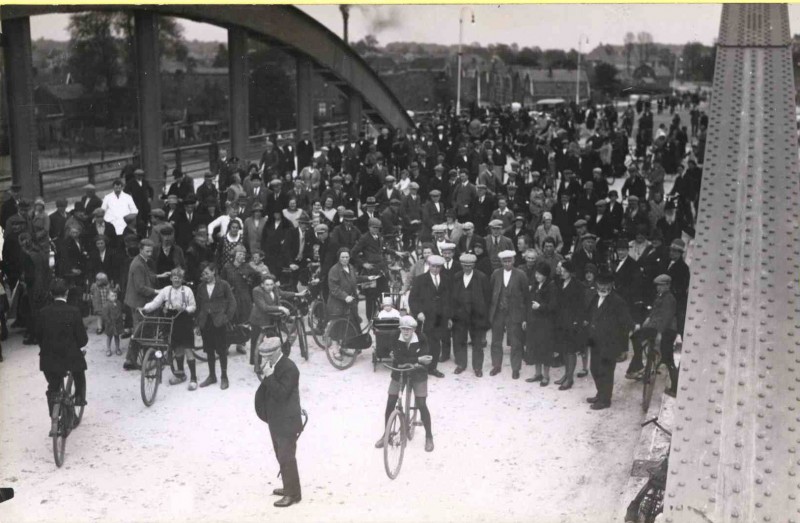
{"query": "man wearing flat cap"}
pixel 100 227
pixel 368 256
pixel 509 302
pixel 609 327
pixel 140 289
pixel 675 267
pixel 433 213
pixel 387 193
pixel 58 220
pixel 463 196
pixel 564 215
pixel 661 320
pixel 496 243
pixel 90 201
pixel 346 234
pixel 362 222
pixel 187 221
pixel 482 208
pixel 411 211
pixel 277 198
pixel 471 299
pixel 391 219
pixel 585 255
pixel 430 302
pixel 168 256
pixel 207 190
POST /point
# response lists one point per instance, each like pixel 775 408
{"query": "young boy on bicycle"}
pixel 409 348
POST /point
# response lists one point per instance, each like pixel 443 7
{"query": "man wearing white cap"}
pixel 429 301
pixel 507 313
pixel 471 298
pixel 449 269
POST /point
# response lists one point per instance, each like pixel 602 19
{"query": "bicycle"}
pixel 400 427
pixel 344 339
pixel 295 327
pixel 649 501
pixel 652 361
pixel 155 333
pixel 317 316
pixel 65 417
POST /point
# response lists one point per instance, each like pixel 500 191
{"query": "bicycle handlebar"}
pixel 405 368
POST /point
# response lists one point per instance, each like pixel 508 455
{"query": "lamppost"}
pixel 675 73
pixel 581 38
pixel 460 40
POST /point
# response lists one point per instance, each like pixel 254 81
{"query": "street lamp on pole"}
pixel 460 42
pixel 581 38
pixel 675 73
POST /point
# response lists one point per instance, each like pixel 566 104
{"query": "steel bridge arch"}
pixel 286 27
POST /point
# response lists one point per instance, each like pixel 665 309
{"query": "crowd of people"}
pixel 506 215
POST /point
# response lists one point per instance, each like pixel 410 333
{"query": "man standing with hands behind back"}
pixel 278 404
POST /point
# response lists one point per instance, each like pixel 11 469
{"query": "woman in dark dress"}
pixel 272 239
pixel 540 331
pixel 242 278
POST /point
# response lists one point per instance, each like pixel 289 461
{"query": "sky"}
pixel 547 26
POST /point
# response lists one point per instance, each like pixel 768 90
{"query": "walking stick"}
pixel 304 415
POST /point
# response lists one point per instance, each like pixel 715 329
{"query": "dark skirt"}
pixel 569 341
pixel 182 331
pixel 539 342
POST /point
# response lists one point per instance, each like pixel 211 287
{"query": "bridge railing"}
pixel 194 160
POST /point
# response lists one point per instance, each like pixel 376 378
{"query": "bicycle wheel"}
pixel 198 351
pixel 151 366
pixel 60 439
pixel 302 340
pixel 339 330
pixel 316 322
pixel 648 379
pixel 77 411
pixel 394 443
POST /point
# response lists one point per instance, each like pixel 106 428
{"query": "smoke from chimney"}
pixel 380 18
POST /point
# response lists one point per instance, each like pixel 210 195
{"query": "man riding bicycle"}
pixel 409 348
pixel 61 336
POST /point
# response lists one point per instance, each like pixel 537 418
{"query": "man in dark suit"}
pixel 471 297
pixel 677 269
pixel 9 205
pixel 182 186
pixel 216 307
pixel 305 152
pixel 628 283
pixel 564 217
pixel 482 208
pixel 345 234
pixel 362 222
pixel 507 312
pixel 299 251
pixel 61 336
pixel 58 220
pixel 140 289
pixel 141 192
pixel 277 198
pixel 278 404
pixel 103 259
pixel 609 326
pixel 367 255
pixel 496 243
pixel 100 227
pixel 187 221
pixel 429 301
pixel 90 201
pixel 433 213
pixel 463 196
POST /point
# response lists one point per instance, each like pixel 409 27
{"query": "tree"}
pixel 367 44
pixel 529 57
pixel 221 58
pixel 698 62
pixel 630 42
pixel 605 78
pixel 93 60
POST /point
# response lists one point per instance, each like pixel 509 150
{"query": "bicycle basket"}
pixel 237 334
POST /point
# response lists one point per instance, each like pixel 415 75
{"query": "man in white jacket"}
pixel 117 205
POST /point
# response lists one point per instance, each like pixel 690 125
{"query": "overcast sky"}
pixel 546 26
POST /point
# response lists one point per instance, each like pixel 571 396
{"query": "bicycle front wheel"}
pixel 394 443
pixel 316 322
pixel 150 376
pixel 77 412
pixel 337 333
pixel 648 380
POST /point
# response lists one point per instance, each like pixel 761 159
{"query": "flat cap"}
pixel 519 217
pixel 600 203
pixel 622 243
pixel 588 236
pixel 496 223
pixel 633 198
pixel 503 255
pixel 89 186
pixel 389 178
pixel 257 207
pixel 439 168
pixel 158 213
pixel 413 185
pixel 370 201
pixel 304 218
pixel 547 216
pixel 439 227
pixel 435 259
pixel 348 215
pixel 394 201
pixel 208 176
pixel 468 226
pixel 450 213
pixel 436 192
pixel 275 182
pixel 468 258
pixel 678 245
pixel 480 185
pixel 448 246
pixel 374 222
pixel 408 322
pixel 190 199
pixel 166 230
pixel 663 279
pixel 336 179
pixel 98 212
pixel 321 228
pixel 172 198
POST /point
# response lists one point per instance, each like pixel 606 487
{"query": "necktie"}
pixel 496 241
pixel 256 191
pixel 436 282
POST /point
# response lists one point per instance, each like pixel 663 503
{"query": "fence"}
pixel 192 160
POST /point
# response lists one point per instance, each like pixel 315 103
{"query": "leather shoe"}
pixel 208 381
pixel 600 405
pixel 669 392
pixel 593 399
pixel 515 375
pixel 436 373
pixel 561 380
pixel 582 373
pixel 495 371
pixel 458 370
pixel 180 378
pixel 279 492
pixel 566 385
pixel 240 349
pixel 429 444
pixel 544 383
pixel 379 443
pixel 131 366
pixel 479 373
pixel 534 379
pixel 287 501
pixel 223 383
